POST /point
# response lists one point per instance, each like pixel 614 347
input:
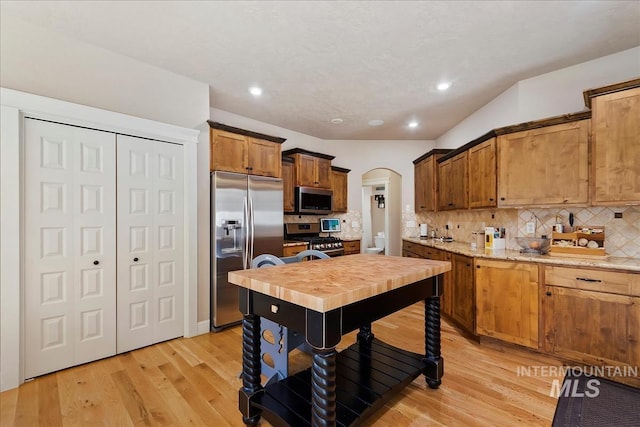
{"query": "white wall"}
pixel 555 93
pixel 42 62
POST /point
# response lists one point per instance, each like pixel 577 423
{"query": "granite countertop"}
pixel 326 284
pixel 351 239
pixel 464 248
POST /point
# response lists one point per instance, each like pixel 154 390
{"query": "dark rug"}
pixel 589 404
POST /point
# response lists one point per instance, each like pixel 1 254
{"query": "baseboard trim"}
pixel 203 327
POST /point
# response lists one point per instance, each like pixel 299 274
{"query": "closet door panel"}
pixel 69 246
pixel 150 242
pixel 169 254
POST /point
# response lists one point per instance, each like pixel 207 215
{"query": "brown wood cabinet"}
pixel 463 292
pixel 288 187
pixel 351 247
pixel 482 175
pixel 312 171
pixel 507 301
pixel 616 148
pixel 339 183
pixel 544 166
pixel 453 183
pixel 425 175
pixel 585 321
pixel 292 250
pixel 241 151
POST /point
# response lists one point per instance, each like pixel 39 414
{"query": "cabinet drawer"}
pixel 293 250
pixel 613 282
pixel 414 248
pixel 351 247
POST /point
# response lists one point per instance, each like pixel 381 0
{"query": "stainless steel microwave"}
pixel 311 200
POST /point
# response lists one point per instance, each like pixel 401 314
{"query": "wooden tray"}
pixel 576 250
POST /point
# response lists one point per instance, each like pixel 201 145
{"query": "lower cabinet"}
pixel 293 250
pixel 585 324
pixel 351 247
pixel 507 298
pixel 462 292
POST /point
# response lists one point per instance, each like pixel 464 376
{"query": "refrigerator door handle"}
pixel 245 230
pixel 252 229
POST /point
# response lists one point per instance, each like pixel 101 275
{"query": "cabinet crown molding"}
pixel 227 128
pixel 307 152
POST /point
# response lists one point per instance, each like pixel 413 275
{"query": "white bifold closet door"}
pixel 150 242
pixel 104 244
pixel 70 250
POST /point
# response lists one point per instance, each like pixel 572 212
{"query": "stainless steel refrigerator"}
pixel 246 221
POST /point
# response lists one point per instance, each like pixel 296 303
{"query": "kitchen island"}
pixel 323 300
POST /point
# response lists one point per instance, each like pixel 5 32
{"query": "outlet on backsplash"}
pixel 531 228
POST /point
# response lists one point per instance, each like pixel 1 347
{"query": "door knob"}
pixel 136 259
pixel 96 262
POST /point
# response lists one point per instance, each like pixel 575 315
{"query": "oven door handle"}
pixel 334 252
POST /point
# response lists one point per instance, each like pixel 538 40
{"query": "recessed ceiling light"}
pixel 255 91
pixel 376 122
pixel 444 86
pixel 413 124
pixel 337 121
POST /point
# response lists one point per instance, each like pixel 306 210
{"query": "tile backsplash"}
pixel 622 234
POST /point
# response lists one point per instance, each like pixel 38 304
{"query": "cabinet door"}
pixel 463 295
pixel 229 152
pixel 482 175
pixel 339 187
pixel 546 166
pixel 70 246
pixel 288 194
pixel 453 183
pixel 150 242
pixel 305 170
pixel 445 186
pixel 352 247
pixel 594 328
pixel 323 173
pixel 264 158
pixel 507 301
pixel 425 185
pixel 459 181
pixel 616 148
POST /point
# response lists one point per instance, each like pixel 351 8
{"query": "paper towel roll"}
pixel 423 230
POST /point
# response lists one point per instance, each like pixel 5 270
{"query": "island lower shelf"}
pixel 368 374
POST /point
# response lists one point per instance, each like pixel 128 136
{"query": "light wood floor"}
pixel 195 382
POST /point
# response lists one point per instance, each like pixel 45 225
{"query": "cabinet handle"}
pixel 502 198
pixel 136 259
pixel 565 200
pixel 96 262
pixel 491 199
pixel 548 293
pixel 477 266
pixel 450 204
pixel 586 279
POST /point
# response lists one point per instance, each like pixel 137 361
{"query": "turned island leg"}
pixel 323 388
pixel 435 363
pixel 250 368
pixel 365 335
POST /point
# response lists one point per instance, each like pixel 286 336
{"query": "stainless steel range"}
pixel 310 233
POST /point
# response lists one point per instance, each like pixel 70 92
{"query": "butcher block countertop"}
pixel 326 284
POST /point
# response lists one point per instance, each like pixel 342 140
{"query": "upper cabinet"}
pixel 339 180
pixel 546 165
pixel 482 175
pixel 242 151
pixel 425 180
pixel 453 182
pixel 310 169
pixel 288 190
pixel 616 144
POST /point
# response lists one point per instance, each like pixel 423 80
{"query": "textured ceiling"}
pixel 356 60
